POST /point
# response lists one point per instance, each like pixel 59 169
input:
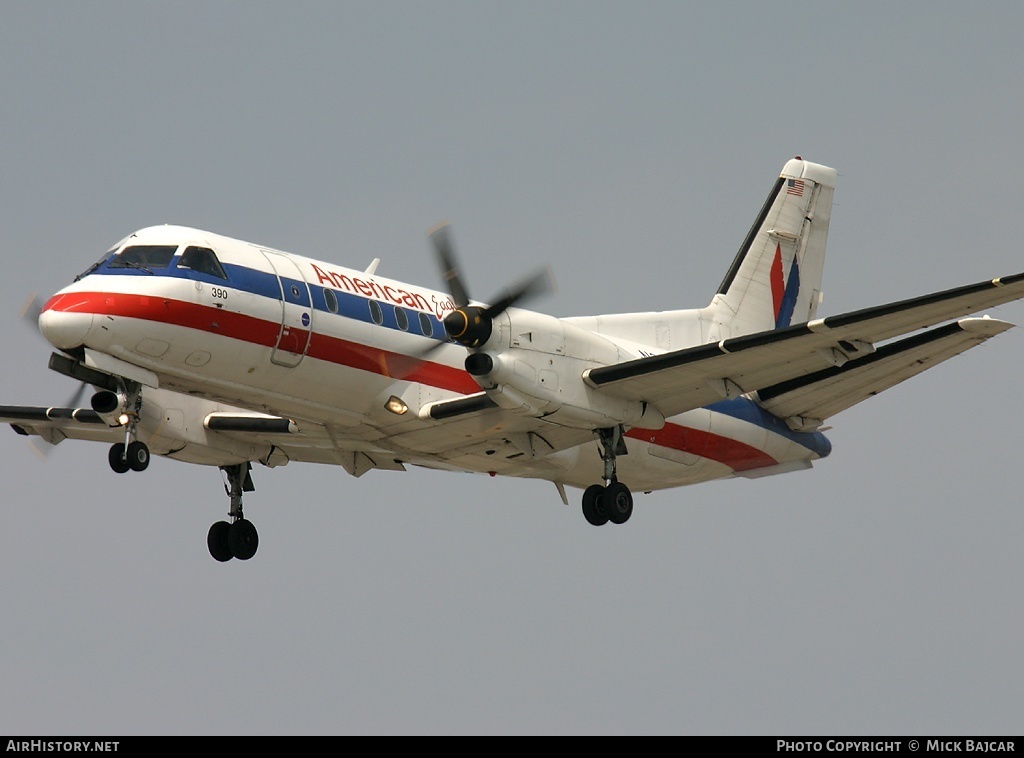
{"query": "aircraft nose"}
pixel 63 326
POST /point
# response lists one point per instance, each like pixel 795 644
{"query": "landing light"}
pixel 123 419
pixel 396 406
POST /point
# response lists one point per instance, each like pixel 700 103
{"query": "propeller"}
pixel 30 312
pixel 471 325
pixel 43 446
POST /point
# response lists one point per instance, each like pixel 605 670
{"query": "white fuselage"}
pixel 289 336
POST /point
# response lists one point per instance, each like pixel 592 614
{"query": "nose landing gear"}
pixel 132 454
pixel 131 457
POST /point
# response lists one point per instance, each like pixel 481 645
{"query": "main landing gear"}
pixel 612 501
pixel 237 539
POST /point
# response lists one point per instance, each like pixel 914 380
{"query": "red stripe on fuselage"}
pixel 262 332
pixel 737 455
pixel 733 453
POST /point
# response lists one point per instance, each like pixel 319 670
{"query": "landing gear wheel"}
pixel 137 456
pixel 613 502
pixel 618 502
pixel 591 511
pixel 217 541
pixel 116 458
pixel 243 539
pixel 237 538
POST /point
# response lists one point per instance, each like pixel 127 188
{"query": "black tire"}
pixel 116 458
pixel 618 502
pixel 243 539
pixel 592 512
pixel 138 456
pixel 217 541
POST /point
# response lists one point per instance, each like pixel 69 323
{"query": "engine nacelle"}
pixel 110 405
pixel 533 364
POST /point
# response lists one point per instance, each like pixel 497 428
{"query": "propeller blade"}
pixel 541 283
pixel 76 398
pixel 41 448
pixel 30 313
pixel 402 367
pixel 470 325
pixel 31 310
pixel 440 235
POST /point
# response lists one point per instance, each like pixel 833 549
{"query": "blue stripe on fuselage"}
pixel 747 410
pixel 356 307
pixel 264 284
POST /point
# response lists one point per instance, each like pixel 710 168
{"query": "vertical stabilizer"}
pixel 775 280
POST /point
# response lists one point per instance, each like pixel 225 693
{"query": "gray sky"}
pixel 630 146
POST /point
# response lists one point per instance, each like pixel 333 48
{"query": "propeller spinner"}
pixel 471 325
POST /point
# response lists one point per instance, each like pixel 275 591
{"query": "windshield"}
pixel 96 265
pixel 203 260
pixel 145 257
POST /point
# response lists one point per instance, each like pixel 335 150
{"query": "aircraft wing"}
pixel 286 440
pixel 466 433
pixel 55 425
pixel 692 378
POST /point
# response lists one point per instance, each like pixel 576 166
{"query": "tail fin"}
pixel 775 279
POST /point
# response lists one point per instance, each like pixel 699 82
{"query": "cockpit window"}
pixel 145 257
pixel 203 260
pixel 96 265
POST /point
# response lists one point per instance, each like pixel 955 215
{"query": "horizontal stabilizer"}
pixel 807 401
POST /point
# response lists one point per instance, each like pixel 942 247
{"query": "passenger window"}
pixel 331 300
pixel 202 260
pixel 402 318
pixel 375 312
pixel 426 325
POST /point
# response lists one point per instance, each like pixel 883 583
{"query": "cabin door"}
pixel 296 311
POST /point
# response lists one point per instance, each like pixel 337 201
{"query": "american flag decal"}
pixel 795 187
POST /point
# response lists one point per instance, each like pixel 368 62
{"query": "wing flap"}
pixel 807 401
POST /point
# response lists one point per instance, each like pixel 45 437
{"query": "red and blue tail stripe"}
pixel 784 290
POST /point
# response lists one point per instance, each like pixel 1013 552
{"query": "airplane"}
pixel 213 351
